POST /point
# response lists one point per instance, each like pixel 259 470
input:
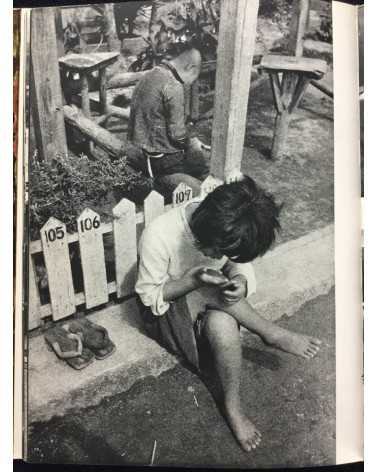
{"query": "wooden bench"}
pixel 289 77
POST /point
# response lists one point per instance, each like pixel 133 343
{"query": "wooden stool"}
pixel 297 72
pixel 85 65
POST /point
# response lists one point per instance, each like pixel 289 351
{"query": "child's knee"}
pixel 220 323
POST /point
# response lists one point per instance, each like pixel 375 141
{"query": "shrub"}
pixel 65 186
pixel 279 11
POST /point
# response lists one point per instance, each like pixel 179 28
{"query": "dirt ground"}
pixel 303 179
pixel 291 400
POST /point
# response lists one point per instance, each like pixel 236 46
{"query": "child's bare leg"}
pixel 222 332
pixel 271 334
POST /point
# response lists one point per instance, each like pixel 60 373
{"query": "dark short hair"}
pixel 240 219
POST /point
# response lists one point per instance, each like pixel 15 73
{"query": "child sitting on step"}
pixel 194 279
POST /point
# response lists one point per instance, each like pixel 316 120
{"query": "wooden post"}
pixel 301 9
pixel 281 129
pixel 85 106
pixel 298 26
pixel 103 101
pixel 45 85
pixel 282 121
pixel 59 31
pixel 236 44
pixel 111 32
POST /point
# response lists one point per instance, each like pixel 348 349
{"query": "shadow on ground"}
pixel 292 402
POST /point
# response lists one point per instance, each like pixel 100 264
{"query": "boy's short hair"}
pixel 239 219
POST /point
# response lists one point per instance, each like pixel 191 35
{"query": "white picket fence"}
pixel 54 244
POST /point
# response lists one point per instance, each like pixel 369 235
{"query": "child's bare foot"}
pixel 245 432
pixel 294 343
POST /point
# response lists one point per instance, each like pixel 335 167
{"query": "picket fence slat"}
pixel 182 194
pixel 46 310
pixel 125 246
pixel 153 207
pixel 34 304
pixel 92 258
pixel 57 260
pixel 209 184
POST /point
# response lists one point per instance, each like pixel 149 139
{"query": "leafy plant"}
pixel 64 187
pixel 279 11
pixel 324 33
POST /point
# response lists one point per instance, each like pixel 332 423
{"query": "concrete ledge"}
pixel 287 277
pixel 294 273
pixel 54 387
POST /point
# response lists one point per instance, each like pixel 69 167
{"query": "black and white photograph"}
pixel 179 225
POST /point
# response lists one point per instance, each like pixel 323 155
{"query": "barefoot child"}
pixel 194 278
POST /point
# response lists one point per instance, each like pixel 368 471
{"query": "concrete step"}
pixel 287 277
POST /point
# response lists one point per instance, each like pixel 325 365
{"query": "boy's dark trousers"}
pixel 169 170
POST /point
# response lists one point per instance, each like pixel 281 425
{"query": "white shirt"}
pixel 167 250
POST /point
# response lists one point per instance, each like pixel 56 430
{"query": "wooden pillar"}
pixel 236 44
pixel 45 85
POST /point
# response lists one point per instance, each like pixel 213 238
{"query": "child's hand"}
pixel 234 290
pixel 197 145
pixel 211 277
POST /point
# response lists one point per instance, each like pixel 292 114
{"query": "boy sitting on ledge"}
pixel 194 278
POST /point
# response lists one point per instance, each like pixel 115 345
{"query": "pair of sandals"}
pixel 79 342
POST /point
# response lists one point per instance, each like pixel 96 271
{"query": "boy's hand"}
pixel 234 290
